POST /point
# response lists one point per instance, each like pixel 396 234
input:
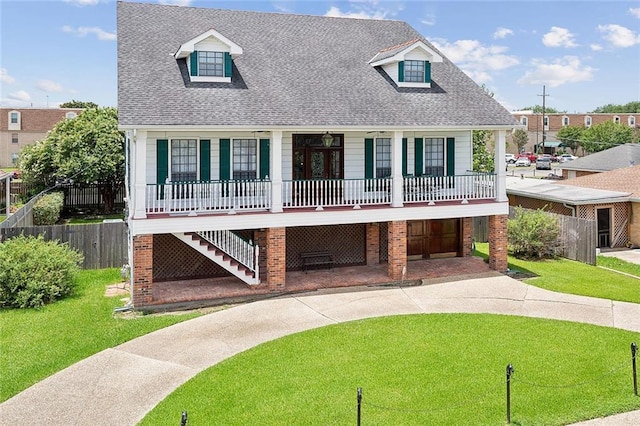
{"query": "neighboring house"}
pixel 618 157
pixel 550 124
pixel 20 127
pixel 612 198
pixel 300 134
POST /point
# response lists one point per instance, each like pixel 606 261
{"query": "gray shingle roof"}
pixel 295 71
pixel 610 159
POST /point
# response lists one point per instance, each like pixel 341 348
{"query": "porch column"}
pixel 276 258
pixel 397 249
pixel 396 170
pixel 498 242
pixel 142 270
pixel 501 165
pixel 467 236
pixel 139 172
pixel 275 167
pixel 373 243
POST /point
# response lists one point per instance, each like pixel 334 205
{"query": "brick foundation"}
pixel 373 243
pixel 397 247
pixel 467 236
pixel 498 242
pixel 276 258
pixel 142 270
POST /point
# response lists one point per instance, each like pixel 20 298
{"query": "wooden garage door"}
pixel 426 238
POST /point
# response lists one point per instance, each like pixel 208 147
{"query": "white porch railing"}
pixel 177 197
pixel 477 186
pixel 336 192
pixel 231 196
pixel 244 252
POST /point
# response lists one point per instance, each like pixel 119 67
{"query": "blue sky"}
pixel 586 53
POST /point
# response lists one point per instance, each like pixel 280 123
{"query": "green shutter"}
pixel 418 154
pixel 162 161
pixel 227 64
pixel 225 159
pixel 451 156
pixel 404 156
pixel 205 160
pixel 427 72
pixel 194 63
pixel 368 158
pixel 264 158
pixel 401 71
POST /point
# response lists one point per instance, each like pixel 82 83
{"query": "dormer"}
pixel 14 120
pixel 408 64
pixel 209 57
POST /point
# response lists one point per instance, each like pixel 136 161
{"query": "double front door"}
pixel 426 238
pixel 312 160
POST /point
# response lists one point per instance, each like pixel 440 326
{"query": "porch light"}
pixel 327 140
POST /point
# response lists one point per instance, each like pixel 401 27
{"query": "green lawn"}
pixel 37 343
pixel 568 276
pixel 438 369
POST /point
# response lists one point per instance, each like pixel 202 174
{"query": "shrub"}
pixel 34 272
pixel 533 234
pixel 46 211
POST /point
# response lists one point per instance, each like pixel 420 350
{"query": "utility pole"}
pixel 544 132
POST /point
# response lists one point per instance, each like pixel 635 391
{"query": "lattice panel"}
pixel 173 259
pixel 384 241
pixel 587 212
pixel 620 224
pixel 347 243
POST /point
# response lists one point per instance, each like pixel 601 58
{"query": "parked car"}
pixel 543 163
pixel 510 158
pixel 566 157
pixel 529 155
pixel 523 162
pixel 551 157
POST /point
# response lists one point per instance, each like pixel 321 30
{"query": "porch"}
pixel 234 196
pixel 224 290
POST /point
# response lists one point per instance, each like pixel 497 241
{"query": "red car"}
pixel 530 155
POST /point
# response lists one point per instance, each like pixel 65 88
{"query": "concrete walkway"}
pixel 121 385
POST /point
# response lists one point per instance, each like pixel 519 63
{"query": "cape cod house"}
pixel 258 142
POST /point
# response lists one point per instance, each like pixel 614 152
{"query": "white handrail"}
pixel 244 252
pixel 336 192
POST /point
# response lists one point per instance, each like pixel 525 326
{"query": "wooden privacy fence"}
pixel 104 245
pixel 578 237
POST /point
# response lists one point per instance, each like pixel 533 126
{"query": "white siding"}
pixel 212 44
pixel 287 156
pixel 354 155
pixel 152 161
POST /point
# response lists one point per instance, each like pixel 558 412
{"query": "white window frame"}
pixel 524 121
pixel 15 138
pixel 616 119
pixel 11 124
pixel 588 121
pixel 545 122
pixel 565 121
pixel 631 121
pixel 444 154
pixel 170 171
pixel 255 164
pixel 209 78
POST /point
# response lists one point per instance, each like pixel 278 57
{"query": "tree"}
pixel 78 104
pixel 631 107
pixel 533 234
pixel 607 135
pixel 571 136
pixel 483 160
pixel 537 109
pixel 87 149
pixel 520 138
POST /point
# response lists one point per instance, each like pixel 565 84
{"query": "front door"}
pixel 312 160
pixel 437 237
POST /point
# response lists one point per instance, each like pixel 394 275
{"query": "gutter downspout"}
pixel 572 208
pixel 127 179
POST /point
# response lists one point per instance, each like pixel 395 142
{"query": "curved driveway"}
pixel 120 385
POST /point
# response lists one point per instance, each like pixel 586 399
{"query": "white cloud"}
pixel 84 31
pixel 635 11
pixel 476 60
pixel 429 20
pixel 561 71
pixel 502 32
pixel 595 47
pixel 5 77
pixel 618 35
pixel 558 37
pixel 20 95
pixel 49 86
pixel 337 13
pixel 83 2
pixel 176 2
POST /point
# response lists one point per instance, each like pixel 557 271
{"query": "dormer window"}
pixel 71 114
pixel 631 120
pixel 408 64
pixel 587 121
pixel 14 120
pixel 209 57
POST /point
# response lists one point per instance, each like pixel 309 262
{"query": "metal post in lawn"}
pixel 634 351
pixel 509 373
pixel 359 398
pixel 183 419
